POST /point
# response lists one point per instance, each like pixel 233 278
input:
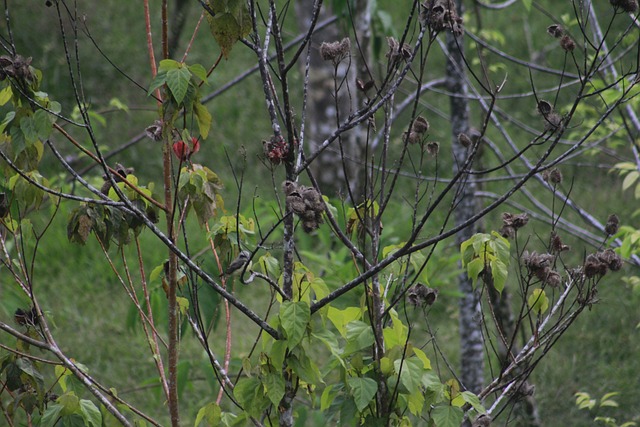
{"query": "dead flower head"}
pixel 613 225
pixel 555 30
pixel 567 43
pixel 421 295
pixel 553 176
pixel 335 51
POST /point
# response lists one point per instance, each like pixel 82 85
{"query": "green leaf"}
pixel 70 403
pixel 474 268
pixel 499 272
pixel 359 336
pixel 447 416
pixel 203 118
pixel 211 414
pixel 630 179
pixel 341 318
pixel 274 385
pixel 538 301
pixel 294 318
pixel 328 397
pixel 90 413
pixel 411 374
pixel 159 80
pixel 183 305
pixel 474 401
pixel 527 5
pixel 304 367
pixel 225 30
pixel 426 363
pixel 178 82
pixel 5 95
pixel 198 71
pixel 248 392
pixel 363 390
pixel 51 415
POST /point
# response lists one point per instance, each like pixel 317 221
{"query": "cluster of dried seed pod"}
pixel 599 263
pixel 420 295
pixel 396 52
pixel 566 42
pixel 552 120
pixel 441 15
pixel 335 51
pixel 628 6
pixel 17 67
pixel 541 266
pixel 511 223
pixel 419 128
pixel 306 202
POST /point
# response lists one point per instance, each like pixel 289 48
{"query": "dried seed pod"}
pixel 421 295
pixel 553 176
pixel 613 225
pixel 433 148
pixel 611 259
pixel 628 6
pixel 567 43
pixel 556 244
pixel 420 125
pixel 335 51
pixel 555 30
pixel 594 267
pixel 289 187
pixel 464 140
pixel 154 131
pixel 544 108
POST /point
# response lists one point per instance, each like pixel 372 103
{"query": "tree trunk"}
pixel 340 168
pixel 471 340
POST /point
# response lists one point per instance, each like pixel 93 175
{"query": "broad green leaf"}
pixel 178 82
pixel 5 95
pixel 274 386
pixel 211 414
pixel 359 336
pixel 538 301
pixel 396 335
pixel 474 401
pixel 51 415
pixel 168 64
pixel 70 403
pixel 630 179
pixel 447 416
pixel 426 363
pixel 199 71
pixel 304 367
pixel 183 305
pixel 341 318
pixel 90 413
pixel 415 402
pixel 474 268
pixel 499 273
pixel 203 117
pixel 225 30
pixel 363 390
pixel 249 393
pixel 411 373
pixel 331 341
pixel 294 318
pixel 328 396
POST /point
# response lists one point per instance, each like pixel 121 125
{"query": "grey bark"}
pixel 471 340
pixel 324 112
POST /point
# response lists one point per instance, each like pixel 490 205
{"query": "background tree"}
pixel 346 297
